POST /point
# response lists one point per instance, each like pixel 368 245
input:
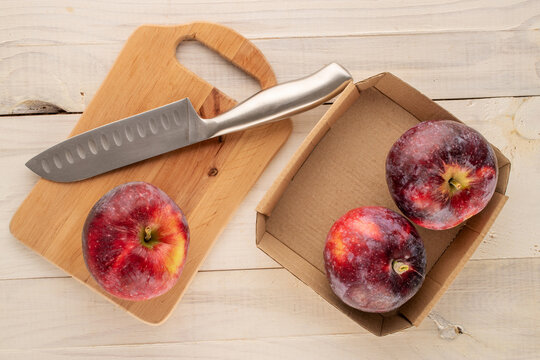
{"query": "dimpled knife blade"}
pixel 121 143
pixel 176 125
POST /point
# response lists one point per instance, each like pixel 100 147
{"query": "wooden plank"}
pixel 493 300
pixel 347 346
pixel 511 236
pixel 63 21
pixel 442 65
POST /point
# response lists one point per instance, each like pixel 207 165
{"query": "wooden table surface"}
pixel 480 59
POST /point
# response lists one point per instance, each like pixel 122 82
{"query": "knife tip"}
pixel 39 167
pixel 31 164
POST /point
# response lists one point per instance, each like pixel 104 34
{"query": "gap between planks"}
pixel 63 112
pixel 289 37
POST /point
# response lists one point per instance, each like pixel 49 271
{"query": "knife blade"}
pixel 177 125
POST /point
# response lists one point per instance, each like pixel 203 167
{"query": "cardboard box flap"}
pixel 481 222
pixel 370 82
pixel 453 257
pixel 504 176
pixel 502 160
pixel 504 171
pixel 411 99
pixel 260 226
pixel 394 324
pixel 416 309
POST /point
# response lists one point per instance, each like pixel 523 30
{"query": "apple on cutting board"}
pixel 135 241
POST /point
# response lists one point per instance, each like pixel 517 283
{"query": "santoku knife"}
pixel 176 125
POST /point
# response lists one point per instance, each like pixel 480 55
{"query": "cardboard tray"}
pixel 341 166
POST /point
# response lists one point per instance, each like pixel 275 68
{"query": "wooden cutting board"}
pixel 207 180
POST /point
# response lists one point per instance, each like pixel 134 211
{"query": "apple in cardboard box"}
pixel 440 173
pixel 135 241
pixel 375 260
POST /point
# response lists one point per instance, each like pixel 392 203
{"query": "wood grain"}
pixel 347 346
pixel 55 21
pixel 50 219
pixel 441 65
pixel 493 300
pixel 419 345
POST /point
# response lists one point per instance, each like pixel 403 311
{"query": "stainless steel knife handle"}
pixel 281 101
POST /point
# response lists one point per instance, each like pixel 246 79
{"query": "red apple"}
pixel 440 173
pixel 135 241
pixel 375 260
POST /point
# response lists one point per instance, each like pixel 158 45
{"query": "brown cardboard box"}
pixel 341 166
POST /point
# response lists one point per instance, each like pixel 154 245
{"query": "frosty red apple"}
pixel 135 241
pixel 375 260
pixel 440 173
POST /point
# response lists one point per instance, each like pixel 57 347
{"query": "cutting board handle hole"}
pixel 215 69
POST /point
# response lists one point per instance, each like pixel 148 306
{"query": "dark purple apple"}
pixel 375 260
pixel 135 241
pixel 440 173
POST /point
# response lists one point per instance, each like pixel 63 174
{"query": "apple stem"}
pixel 147 234
pixel 400 267
pixel 455 183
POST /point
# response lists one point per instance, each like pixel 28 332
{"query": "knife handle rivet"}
pixel 213 172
